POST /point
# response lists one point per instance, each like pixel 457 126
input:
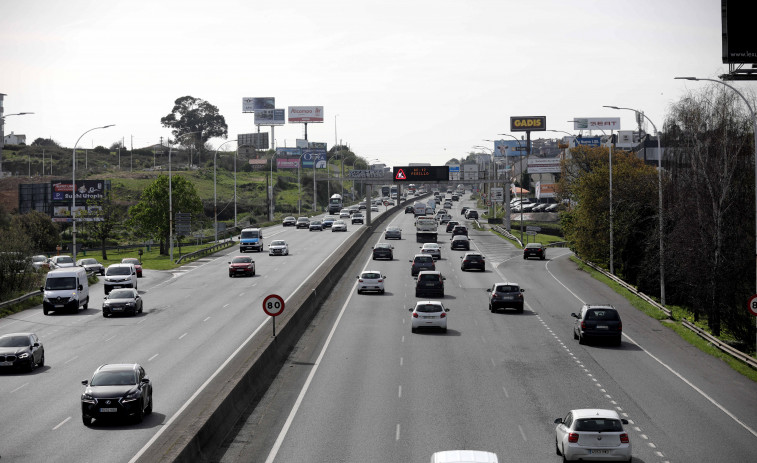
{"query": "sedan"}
pixel 409 210
pixel 393 233
pixel 135 262
pixel 278 248
pixel 302 222
pixel 289 221
pixel 473 260
pixel 61 262
pixel 374 208
pixel 328 221
pixel 357 218
pixel 92 265
pixel 597 321
pixel 339 225
pixel 506 295
pixel 451 225
pixel 242 265
pixel 344 214
pixel 535 250
pixel 22 351
pixel 592 434
pixel 370 280
pixel 383 251
pixel 432 249
pixel 39 262
pixel 460 242
pixel 117 390
pixel 428 314
pixel 316 225
pixel 122 301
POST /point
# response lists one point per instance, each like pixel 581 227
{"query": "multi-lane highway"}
pixel 194 318
pixel 361 387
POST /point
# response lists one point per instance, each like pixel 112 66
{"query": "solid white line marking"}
pixel 182 335
pixel 19 388
pixel 651 445
pixel 150 359
pixel 62 423
pixel 522 434
pixel 110 338
pixel 505 391
pixel 401 361
pixel 71 359
pixel 397 432
pixel 399 393
pixel 225 305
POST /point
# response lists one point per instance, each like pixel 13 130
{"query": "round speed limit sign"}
pixel 273 305
pixel 753 305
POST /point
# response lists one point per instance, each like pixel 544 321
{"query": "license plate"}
pixel 602 327
pixel 430 284
pixel 240 270
pixel 108 410
pixel 599 452
pixel 58 306
pixel 6 364
pixel 429 316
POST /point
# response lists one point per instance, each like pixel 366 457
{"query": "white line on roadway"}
pixel 61 423
pixel 182 335
pixel 71 359
pixel 150 359
pixel 19 388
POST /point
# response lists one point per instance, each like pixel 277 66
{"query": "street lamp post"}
pixel 754 130
pixel 73 188
pixel 520 154
pixel 170 196
pixel 489 196
pixel 659 195
pixel 215 192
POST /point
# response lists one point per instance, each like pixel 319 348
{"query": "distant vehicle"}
pixel 385 191
pixel 354 209
pixel 339 225
pixel 91 265
pixel 303 222
pixel 383 251
pixel 66 289
pixel 419 209
pixel 21 351
pixel 251 239
pixel 411 209
pixel 459 230
pixel 289 221
pixel 328 221
pixel 39 262
pixel 316 225
pixel 135 262
pixel 393 232
pixel 335 203
pixel 393 191
pixel 597 321
pixel 464 210
pixel 471 214
pixel 241 266
pixel 421 262
pixel 428 314
pixel 425 229
pixel 592 434
pixel 61 262
pixel 374 208
pixel 535 250
pixel 451 225
pixel 460 242
pixel 362 205
pixel 358 218
pixel 370 280
pixel 278 248
pixel 344 214
pixel 473 260
pixel 464 456
pixel 505 295
pixel 122 301
pixel 432 249
pixel 120 276
pixel 429 283
pixel 444 218
pixel 455 197
pixel 117 391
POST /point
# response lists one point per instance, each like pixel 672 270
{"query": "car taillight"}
pixel 465 261
pixel 442 315
pixel 583 325
pixel 381 281
pixel 620 326
pixel 573 437
pixel 415 314
pixel 624 438
pixel 360 280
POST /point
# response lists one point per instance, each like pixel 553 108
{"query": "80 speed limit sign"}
pixel 273 305
pixel 753 305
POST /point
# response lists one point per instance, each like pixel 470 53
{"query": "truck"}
pixel 385 191
pixel 335 204
pixel 425 229
pixel 393 192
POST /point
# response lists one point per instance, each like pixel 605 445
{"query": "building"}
pixel 14 139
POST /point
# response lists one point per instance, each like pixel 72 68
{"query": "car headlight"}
pixel 24 355
pixel 129 304
pixel 132 396
pixel 87 398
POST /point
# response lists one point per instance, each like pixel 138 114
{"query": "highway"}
pixel 361 387
pixel 194 318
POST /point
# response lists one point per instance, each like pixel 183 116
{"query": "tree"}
pixel 151 214
pixel 45 142
pixel 195 116
pixel 107 218
pixel 40 232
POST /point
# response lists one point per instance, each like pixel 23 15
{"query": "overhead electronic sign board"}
pixel 421 173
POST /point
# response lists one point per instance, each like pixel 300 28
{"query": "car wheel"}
pixel 524 257
pixel 45 311
pixel 140 415
pixel 491 308
pixel 581 339
pixel 359 291
pixel 619 340
pixel 413 330
pixel 575 335
pixel 374 257
pixel 520 309
pixel 382 291
pixel 32 364
pixel 231 276
pixel 87 420
pixel 253 272
pixel 86 304
pixel 542 257
pixel 105 315
pixel 148 410
pixel 444 330
pixel 41 360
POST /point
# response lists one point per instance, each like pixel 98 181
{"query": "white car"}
pixel 370 280
pixel 592 434
pixel 339 225
pixel 278 248
pixel 428 314
pixel 464 456
pixel 120 276
pixel 61 262
pixel 432 249
pixel 374 208
pixel 344 214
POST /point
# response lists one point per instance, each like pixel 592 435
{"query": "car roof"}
pixel 473 254
pixel 417 303
pixel 511 283
pixel 464 456
pixel 17 334
pixel 429 272
pixel 460 238
pixel 600 306
pixel 371 271
pixel 118 366
pixel 595 413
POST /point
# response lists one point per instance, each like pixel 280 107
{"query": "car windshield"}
pixel 118 271
pixel 428 308
pixel 339 222
pixel 114 378
pixel 14 341
pixel 289 218
pixel 241 260
pixel 278 243
pixel 121 294
pixel 302 219
pixel 371 276
pixel 88 261
pixel 460 238
pixel 250 234
pixel 507 289
pixel 598 425
pixel 54 284
pixel 602 314
pixel 64 260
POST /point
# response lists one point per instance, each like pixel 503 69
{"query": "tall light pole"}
pixel 170 195
pixel 754 132
pixel 215 193
pixel 491 160
pixel 235 182
pixel 73 188
pixel 2 130
pixel 659 196
pixel 520 153
pixel 270 190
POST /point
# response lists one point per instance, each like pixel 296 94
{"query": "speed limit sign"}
pixel 273 305
pixel 753 305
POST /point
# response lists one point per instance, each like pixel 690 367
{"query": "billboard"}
pixel 588 141
pixel 314 155
pixel 543 165
pixel 87 193
pixel 545 190
pixel 250 105
pixel 269 117
pixel 528 123
pixel 739 39
pixel 259 141
pixel 287 163
pixel 305 114
pixel 290 152
pixel 421 173
pixel 596 123
pixel 504 148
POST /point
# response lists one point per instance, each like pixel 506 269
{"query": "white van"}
pixel 120 276
pixel 66 289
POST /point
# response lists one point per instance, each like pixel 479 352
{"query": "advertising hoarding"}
pixel 259 141
pixel 504 148
pixel 543 166
pixel 305 114
pixel 546 190
pixel 596 123
pixel 314 155
pixel 287 163
pixel 528 123
pixel 89 197
pixel 85 190
pixel 252 104
pixel 739 39
pixel 269 117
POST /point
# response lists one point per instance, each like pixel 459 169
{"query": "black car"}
pixel 21 351
pixel 459 230
pixel 303 222
pixel 597 321
pixel 383 251
pixel 315 225
pixel 421 262
pixel 473 260
pixel 117 391
pixel 471 215
pixel 409 210
pixel 122 301
pixel 429 283
pixel 289 222
pixel 460 242
pixel 535 250
pixel 451 225
pixel 506 295
pixel 464 210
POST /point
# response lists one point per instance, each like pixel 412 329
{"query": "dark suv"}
pixel 421 262
pixel 472 260
pixel 597 321
pixel 470 215
pixel 459 230
pixel 429 283
pixel 117 390
pixel 383 251
pixel 535 250
pixel 506 295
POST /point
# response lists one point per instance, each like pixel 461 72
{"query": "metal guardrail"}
pixel 506 233
pixel 208 250
pixel 19 299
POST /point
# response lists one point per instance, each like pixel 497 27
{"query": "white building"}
pixel 14 139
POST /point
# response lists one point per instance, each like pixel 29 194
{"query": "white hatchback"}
pixel 592 434
pixel 278 248
pixel 428 314
pixel 370 280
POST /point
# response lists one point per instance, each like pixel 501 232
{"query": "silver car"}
pixel 393 233
pixel 91 265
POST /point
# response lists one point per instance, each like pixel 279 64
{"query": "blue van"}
pixel 251 239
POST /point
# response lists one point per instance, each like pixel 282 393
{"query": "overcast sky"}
pixel 400 81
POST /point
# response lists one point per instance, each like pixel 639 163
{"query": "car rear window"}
pixel 428 308
pixel 602 314
pixel 429 278
pixel 507 289
pixel 424 259
pixel 371 276
pixel 598 425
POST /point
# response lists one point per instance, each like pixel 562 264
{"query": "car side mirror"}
pixel 573 315
pixel 522 290
pixel 558 421
pixel 410 310
pixel 410 261
pixel 42 289
pixel 383 276
pixel 85 382
pixel 446 310
pixel 81 287
pixel 145 380
pixel 624 421
pixel 36 344
pixel 229 262
pixel 444 278
pixel 488 290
